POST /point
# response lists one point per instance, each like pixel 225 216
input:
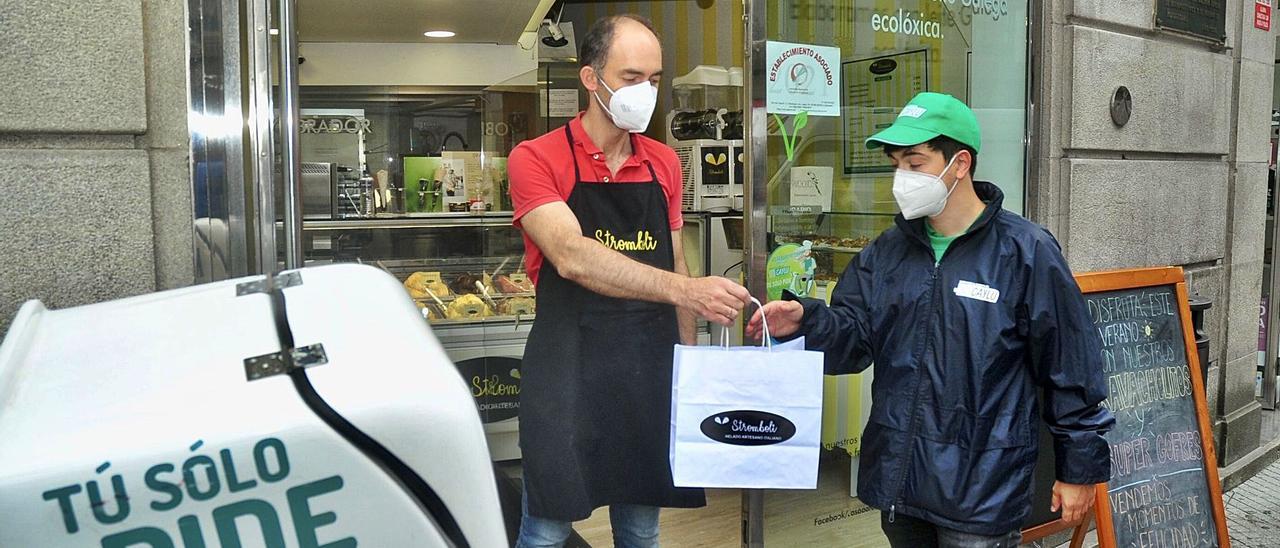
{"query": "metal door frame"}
pixel 1271 356
pixel 233 127
pixel 215 125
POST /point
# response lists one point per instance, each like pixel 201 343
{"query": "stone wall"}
pixel 94 151
pixel 1183 183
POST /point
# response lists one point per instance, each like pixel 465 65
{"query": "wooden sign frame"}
pixel 1095 282
pixel 1043 531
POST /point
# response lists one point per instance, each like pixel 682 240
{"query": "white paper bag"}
pixel 746 417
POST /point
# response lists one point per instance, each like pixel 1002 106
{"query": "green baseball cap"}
pixel 929 115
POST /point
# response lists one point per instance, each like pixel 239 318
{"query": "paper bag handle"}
pixel 766 341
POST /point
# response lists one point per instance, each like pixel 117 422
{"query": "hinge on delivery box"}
pixel 279 363
pixel 282 281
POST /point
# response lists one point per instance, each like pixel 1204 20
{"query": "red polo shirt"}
pixel 541 171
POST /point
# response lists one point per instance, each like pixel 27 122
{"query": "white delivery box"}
pixel 174 420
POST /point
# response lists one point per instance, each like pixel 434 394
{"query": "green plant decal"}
pixel 798 123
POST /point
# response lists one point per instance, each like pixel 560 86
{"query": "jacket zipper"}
pixel 915 402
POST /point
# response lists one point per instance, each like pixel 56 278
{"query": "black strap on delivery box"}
pixel 294 362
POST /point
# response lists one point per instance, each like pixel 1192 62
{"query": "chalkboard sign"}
pixel 1164 488
pixel 1201 18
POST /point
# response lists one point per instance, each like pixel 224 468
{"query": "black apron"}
pixel 595 410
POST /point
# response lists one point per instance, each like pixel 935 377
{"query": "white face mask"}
pixel 631 106
pixel 920 194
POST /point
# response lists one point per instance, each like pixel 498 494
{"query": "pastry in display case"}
pixel 515 283
pixel 468 307
pixel 518 306
pixel 459 269
pixel 425 288
pixel 472 293
pixel 834 238
pixel 827 243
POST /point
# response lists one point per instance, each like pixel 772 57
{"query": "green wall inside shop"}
pixel 415 168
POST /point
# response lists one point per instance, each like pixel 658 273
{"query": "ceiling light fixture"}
pixel 439 34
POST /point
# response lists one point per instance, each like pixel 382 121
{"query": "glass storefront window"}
pixel 404 141
pixel 826 188
pixel 402 151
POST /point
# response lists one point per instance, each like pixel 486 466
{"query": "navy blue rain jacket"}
pixel 961 348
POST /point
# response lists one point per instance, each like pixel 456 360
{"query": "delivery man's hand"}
pixel 784 319
pixel 1074 500
pixel 714 298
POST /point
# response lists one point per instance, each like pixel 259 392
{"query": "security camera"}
pixel 556 38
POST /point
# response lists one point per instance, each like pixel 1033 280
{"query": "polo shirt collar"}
pixel 580 137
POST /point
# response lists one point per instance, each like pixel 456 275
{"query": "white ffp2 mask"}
pixel 630 107
pixel 920 194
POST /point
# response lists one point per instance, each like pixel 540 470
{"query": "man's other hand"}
pixel 783 317
pixel 1074 500
pixel 715 299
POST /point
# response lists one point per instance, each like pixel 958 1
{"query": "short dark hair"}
pixel 947 146
pixel 595 45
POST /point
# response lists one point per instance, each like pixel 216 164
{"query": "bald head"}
pixel 621 50
pixel 609 35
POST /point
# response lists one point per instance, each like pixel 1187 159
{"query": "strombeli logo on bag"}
pixel 746 427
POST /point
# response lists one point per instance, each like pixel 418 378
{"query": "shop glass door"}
pixel 827 196
pixel 406 117
pixel 1265 386
pixel 402 137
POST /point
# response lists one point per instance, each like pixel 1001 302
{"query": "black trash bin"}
pixel 1198 306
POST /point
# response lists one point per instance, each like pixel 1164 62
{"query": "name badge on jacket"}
pixel 981 292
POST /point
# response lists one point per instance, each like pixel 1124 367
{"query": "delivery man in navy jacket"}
pixel 969 312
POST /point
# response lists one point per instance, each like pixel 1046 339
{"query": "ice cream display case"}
pixel 460 269
pixel 465 272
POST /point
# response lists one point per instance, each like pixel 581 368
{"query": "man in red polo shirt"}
pixel 599 205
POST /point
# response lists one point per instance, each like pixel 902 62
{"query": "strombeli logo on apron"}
pixel 748 428
pixel 565 342
pixel 643 241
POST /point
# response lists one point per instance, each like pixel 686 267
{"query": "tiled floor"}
pixel 1253 510
pixel 1253 514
